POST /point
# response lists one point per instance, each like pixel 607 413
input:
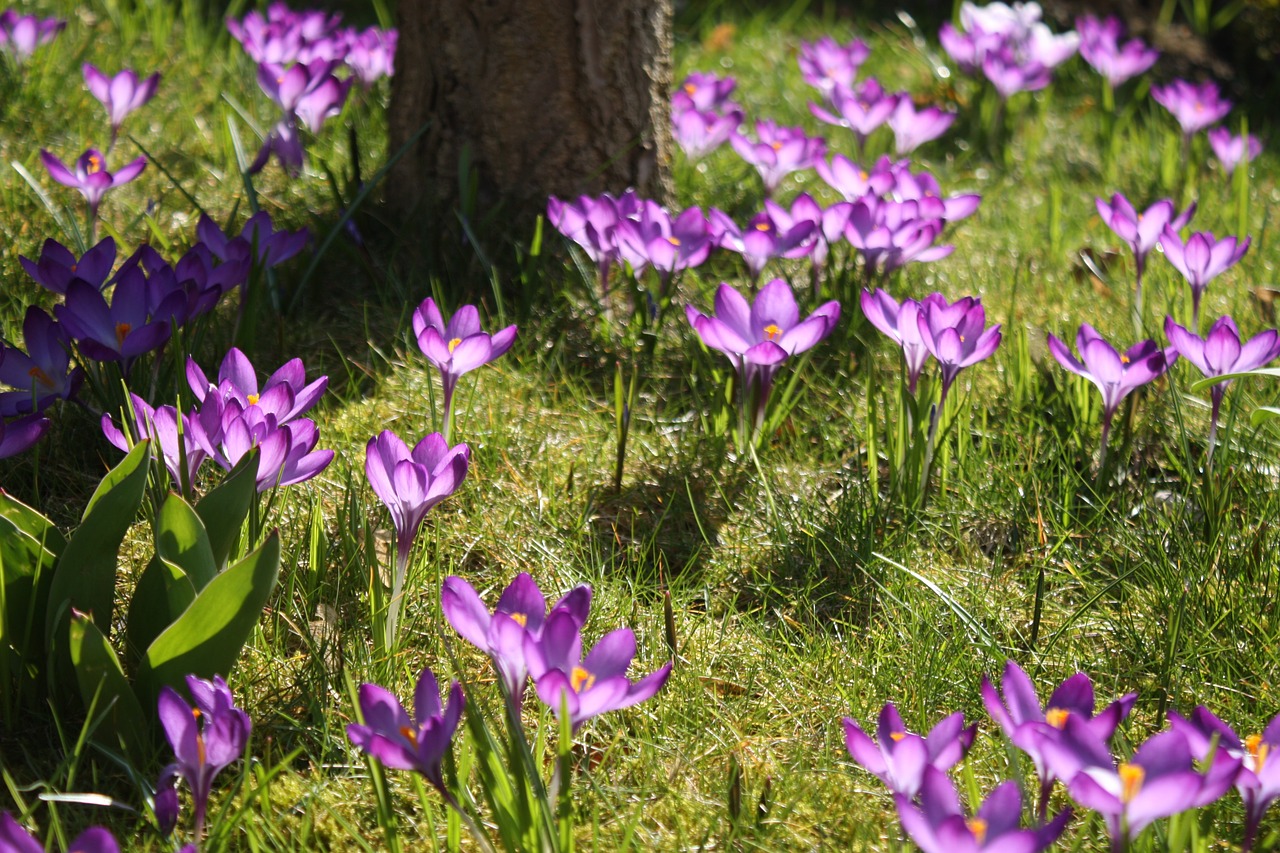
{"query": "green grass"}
pixel 800 592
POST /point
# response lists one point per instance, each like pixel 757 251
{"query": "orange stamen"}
pixel 1056 717
pixel 581 680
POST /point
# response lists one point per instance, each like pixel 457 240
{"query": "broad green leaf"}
pixel 163 593
pixel 206 639
pixel 1263 414
pixel 181 539
pixel 1209 381
pixel 223 510
pixel 104 689
pixel 25 574
pixel 32 523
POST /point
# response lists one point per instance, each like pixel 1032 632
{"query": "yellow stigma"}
pixel 689 88
pixel 253 399
pixel 453 344
pixel 95 164
pixel 978 827
pixel 675 241
pixel 762 226
pixel 771 331
pixel 40 376
pixel 1131 776
pixel 122 332
pixel 862 175
pixel 1056 717
pixel 776 146
pixel 1258 751
pixel 581 680
pixel 73 267
pixel 195 712
pixel 410 735
pixel 1124 359
pixel 962 339
pixel 897 736
pixel 521 619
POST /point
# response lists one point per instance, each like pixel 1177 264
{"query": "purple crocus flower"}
pixel 205 738
pixel 1115 374
pixel 1141 231
pixel 43 374
pixel 521 611
pixel 911 129
pixel 323 102
pixel 956 334
pixel 899 323
pixel 892 234
pixel 19 435
pixel 852 181
pixel 1100 46
pixel 371 55
pixel 898 758
pixel 700 132
pixel 588 686
pixel 121 94
pixel 20 35
pixel 456 347
pixel 862 110
pixel 656 240
pixel 57 267
pixel 939 825
pixel 179 437
pixel 287 450
pixel 1259 779
pixel 1221 352
pixel 1016 709
pixel 419 743
pixel 411 482
pixel 15 839
pixel 592 224
pixel 284 142
pixel 1159 781
pixel 1201 259
pixel 285 395
pixel 708 91
pixel 1194 107
pixel 827 65
pixel 779 151
pixel 272 247
pixel 91 176
pixel 763 239
pixel 1011 74
pixel 121 331
pixel 1232 150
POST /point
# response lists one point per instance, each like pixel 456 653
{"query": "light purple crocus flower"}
pixel 898 758
pixel 1141 231
pixel 91 176
pixel 205 738
pixel 15 839
pixel 121 94
pixel 286 395
pixel 20 35
pixel 862 110
pixel 323 103
pixel 179 438
pixel 456 347
pixel 419 743
pixel 592 224
pixel 410 483
pixel 827 65
pixel 956 334
pixel 1100 46
pixel 1194 107
pixel 1259 779
pixel 42 375
pixel 287 451
pixel 588 686
pixel 708 91
pixel 939 825
pixel 666 244
pixel 521 611
pixel 852 181
pixel 778 152
pixel 899 324
pixel 1221 352
pixel 762 239
pixel 699 132
pixel 1232 149
pixel 1201 259
pixel 371 55
pixel 1016 709
pixel 1010 74
pixel 912 128
pixel 57 267
pixel 891 234
pixel 19 435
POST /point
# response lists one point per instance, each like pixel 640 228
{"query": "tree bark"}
pixel 537 97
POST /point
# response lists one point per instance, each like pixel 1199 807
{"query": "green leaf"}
pixel 181 539
pixel 164 592
pixel 223 510
pixel 206 639
pixel 1263 414
pixel 25 573
pixel 104 689
pixel 1209 381
pixel 32 523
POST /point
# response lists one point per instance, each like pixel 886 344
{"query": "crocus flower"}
pixel 121 94
pixel 178 436
pixel 1100 46
pixel 1221 352
pixel 939 825
pixel 779 151
pixel 287 451
pixel 827 65
pixel 708 91
pixel 286 395
pixel 323 102
pixel 912 128
pixel 592 224
pixel 1010 74
pixel 258 234
pixel 57 266
pixel 121 331
pixel 1141 231
pixel 762 239
pixel 899 323
pixel 1159 781
pixel 371 55
pixel 1201 259
pixel 656 240
pixel 20 35
pixel 19 435
pixel 1194 107
pixel 91 176
pixel 456 347
pixel 861 110
pixel 1115 374
pixel 206 738
pixel 852 181
pixel 891 234
pixel 15 839
pixel 284 142
pixel 1016 709
pixel 419 743
pixel 956 335
pixel 700 132
pixel 898 758
pixel 1232 150
pixel 1259 779
pixel 588 686
pixel 521 610
pixel 43 374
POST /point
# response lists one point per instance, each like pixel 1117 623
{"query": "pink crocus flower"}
pixel 1200 259
pixel 1233 149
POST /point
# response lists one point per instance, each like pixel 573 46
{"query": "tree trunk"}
pixel 539 97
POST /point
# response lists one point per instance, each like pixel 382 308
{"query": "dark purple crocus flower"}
pixel 284 142
pixel 708 91
pixel 588 686
pixel 272 247
pixel 1232 150
pixel 763 239
pixel 43 374
pixel 1141 230
pixel 862 110
pixel 827 65
pixel 1201 259
pixel 1194 107
pixel 699 132
pixel 1259 779
pixel 456 347
pixel 521 611
pixel 1221 352
pixel 179 437
pixel 939 825
pixel 417 743
pixel 19 435
pixel 15 839
pixel 20 35
pixel 121 94
pixel 899 323
pixel 1115 374
pixel 1159 781
pixel 898 758
pixel 778 152
pixel 57 267
pixel 912 128
pixel 1016 709
pixel 285 395
pixel 91 177
pixel 121 331
pixel 206 738
pixel 1100 46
